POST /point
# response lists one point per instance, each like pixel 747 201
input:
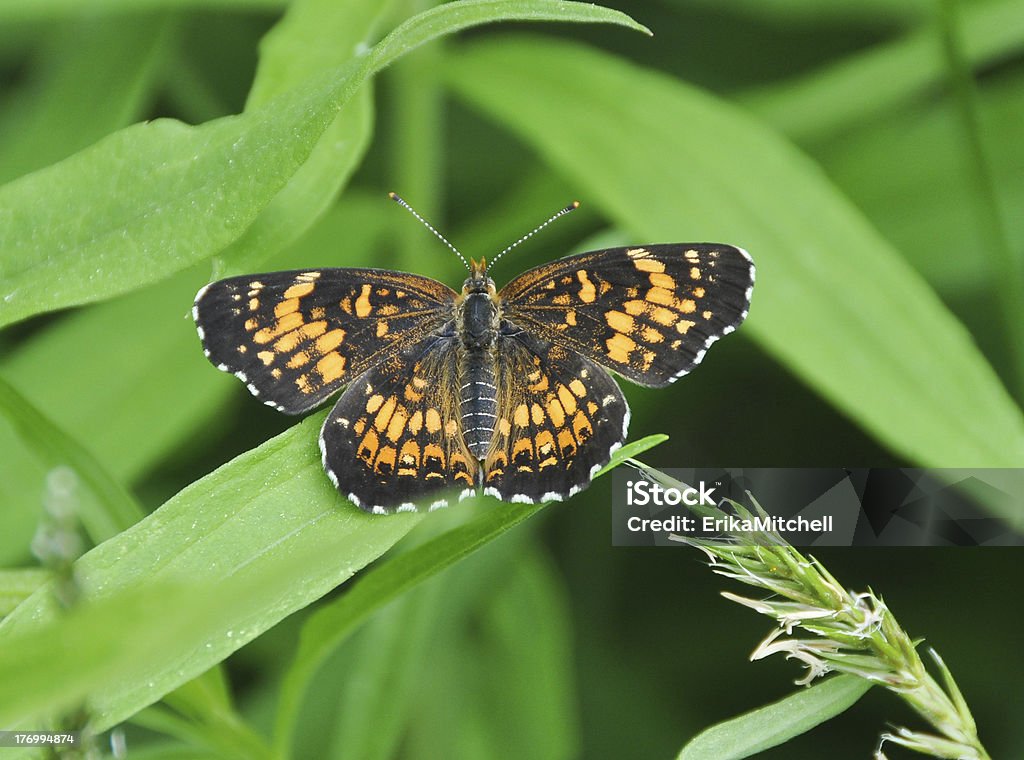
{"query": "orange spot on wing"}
pixel 299 290
pixel 286 307
pixel 397 425
pixel 662 280
pixel 556 412
pixel 651 335
pixel 647 264
pixel 664 316
pixel 660 296
pixel 368 447
pixel 619 348
pixel 384 414
pixel 568 400
pixel 330 340
pixel 363 306
pixel 331 367
pixel 620 322
pixel 290 342
pixel 587 292
pixel 286 324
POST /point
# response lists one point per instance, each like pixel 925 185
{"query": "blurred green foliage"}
pixel 148 146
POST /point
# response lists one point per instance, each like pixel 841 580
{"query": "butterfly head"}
pixel 478 281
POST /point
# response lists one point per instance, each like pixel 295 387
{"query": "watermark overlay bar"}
pixel 821 506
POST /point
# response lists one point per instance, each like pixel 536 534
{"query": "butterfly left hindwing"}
pixel 395 435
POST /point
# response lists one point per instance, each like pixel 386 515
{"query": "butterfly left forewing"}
pixel 296 337
pixel 647 312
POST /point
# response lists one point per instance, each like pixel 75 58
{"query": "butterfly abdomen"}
pixel 478 390
pixel 478 397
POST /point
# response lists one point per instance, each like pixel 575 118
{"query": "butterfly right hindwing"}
pixel 560 418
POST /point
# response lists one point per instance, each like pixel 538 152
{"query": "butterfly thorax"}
pixel 477 323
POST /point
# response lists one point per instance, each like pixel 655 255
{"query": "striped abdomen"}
pixel 478 396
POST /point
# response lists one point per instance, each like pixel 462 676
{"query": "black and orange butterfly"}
pixel 505 391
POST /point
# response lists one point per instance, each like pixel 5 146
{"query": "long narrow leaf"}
pixel 774 724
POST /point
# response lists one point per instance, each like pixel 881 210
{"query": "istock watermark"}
pixel 642 492
pixel 819 506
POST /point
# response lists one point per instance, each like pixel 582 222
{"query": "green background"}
pixel 867 154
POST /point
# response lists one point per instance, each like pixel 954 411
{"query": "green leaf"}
pixel 312 37
pixel 122 387
pixel 55 666
pixel 17 585
pixel 268 522
pixel 332 624
pixel 776 723
pixel 833 301
pixel 269 517
pixel 107 508
pixel 828 100
pixel 158 197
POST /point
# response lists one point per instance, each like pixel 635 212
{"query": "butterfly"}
pixel 449 393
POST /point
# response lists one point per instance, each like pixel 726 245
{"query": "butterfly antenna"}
pixel 571 207
pixel 429 226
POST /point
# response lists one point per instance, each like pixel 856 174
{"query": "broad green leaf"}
pixel 313 36
pixel 56 665
pixel 833 301
pixel 269 516
pixel 17 585
pixel 268 522
pixel 332 624
pixel 155 198
pixel 91 77
pixel 774 724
